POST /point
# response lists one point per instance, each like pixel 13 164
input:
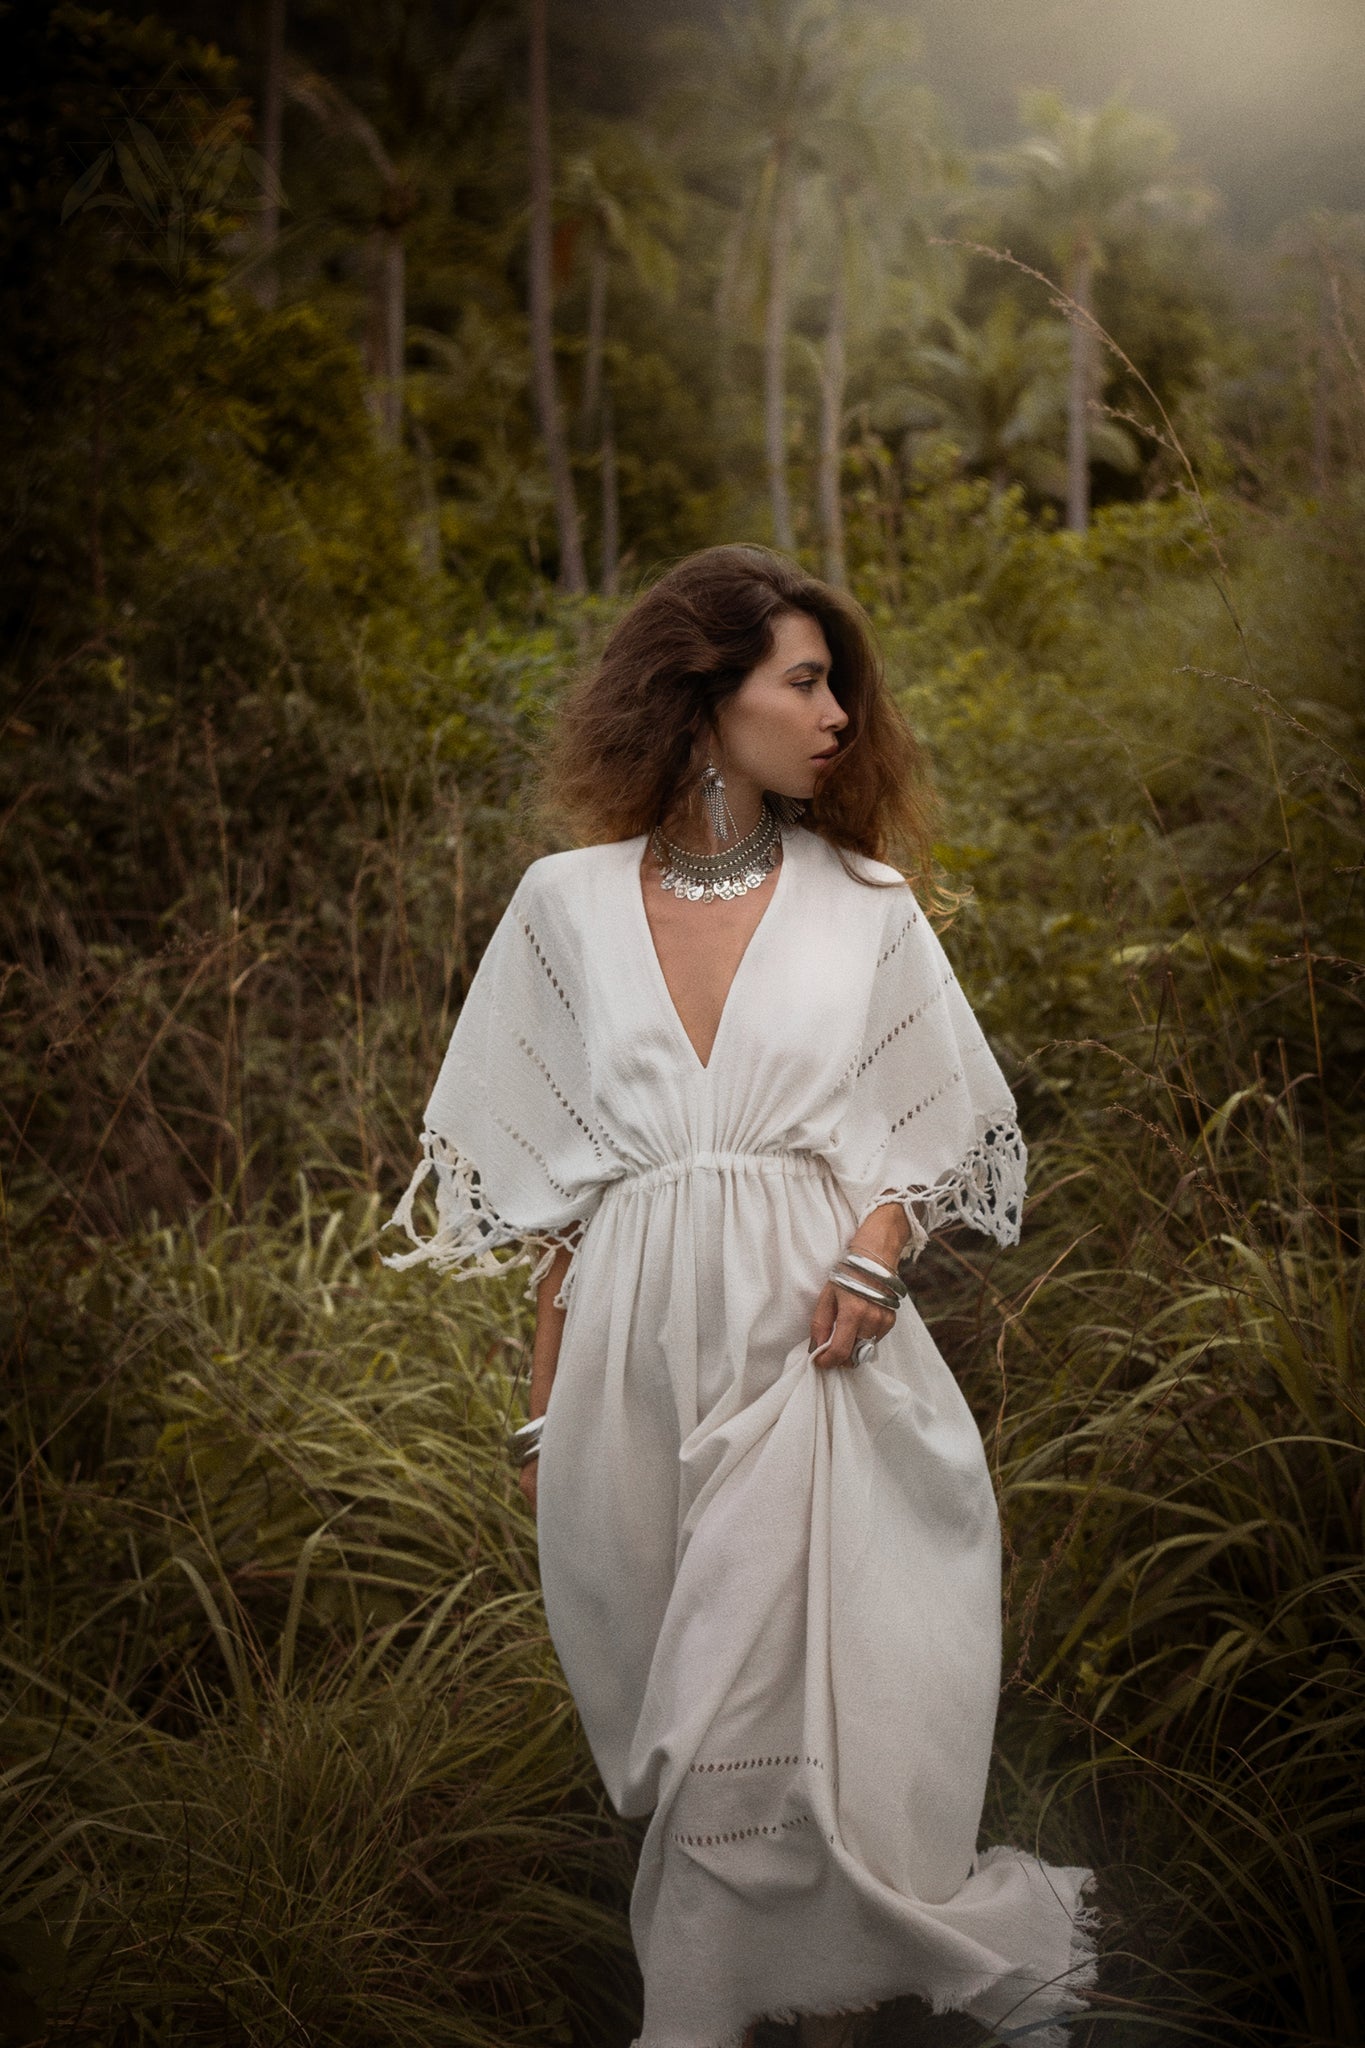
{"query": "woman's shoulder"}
pixel 854 872
pixel 575 868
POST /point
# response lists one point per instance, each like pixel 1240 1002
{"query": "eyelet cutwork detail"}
pixel 926 1101
pixel 550 975
pixel 901 936
pixel 758 1763
pixel 560 1097
pixel 904 1025
pixel 541 1161
pixel 777 1827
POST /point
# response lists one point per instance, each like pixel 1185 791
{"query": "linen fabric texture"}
pixel 774 1590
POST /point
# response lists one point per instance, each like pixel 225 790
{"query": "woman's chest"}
pixel 700 948
pixel 736 1040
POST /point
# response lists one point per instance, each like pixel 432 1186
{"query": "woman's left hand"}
pixel 841 1321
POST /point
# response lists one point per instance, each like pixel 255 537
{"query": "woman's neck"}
pixel 688 825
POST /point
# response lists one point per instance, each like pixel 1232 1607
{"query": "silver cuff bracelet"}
pixel 881 1297
pixel 525 1442
pixel 862 1262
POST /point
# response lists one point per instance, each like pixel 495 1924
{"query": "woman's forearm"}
pixel 883 1234
pixel 549 1331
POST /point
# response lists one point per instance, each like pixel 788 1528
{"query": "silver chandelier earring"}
pixel 717 810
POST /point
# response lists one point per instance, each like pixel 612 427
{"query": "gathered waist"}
pixel 791 1165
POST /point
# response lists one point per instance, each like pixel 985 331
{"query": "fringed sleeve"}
pixel 509 1132
pixel 930 1119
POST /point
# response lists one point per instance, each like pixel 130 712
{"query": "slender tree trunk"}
pixel 572 573
pixel 1322 375
pixel 727 422
pixel 833 378
pixel 429 531
pixel 1081 384
pixel 384 343
pixel 272 150
pixel 775 347
pixel 611 503
pixel 596 342
pixel 394 300
pixel 97 580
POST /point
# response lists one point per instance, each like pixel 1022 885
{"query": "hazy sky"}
pixel 1268 96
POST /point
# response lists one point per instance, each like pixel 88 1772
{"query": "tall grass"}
pixel 288 1754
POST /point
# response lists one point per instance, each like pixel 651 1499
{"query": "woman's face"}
pixel 780 728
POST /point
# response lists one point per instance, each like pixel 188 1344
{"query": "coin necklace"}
pixel 700 877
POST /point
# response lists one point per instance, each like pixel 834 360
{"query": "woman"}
pixel 715 1068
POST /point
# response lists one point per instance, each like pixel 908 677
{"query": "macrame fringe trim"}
pixel 469 1233
pixel 985 1191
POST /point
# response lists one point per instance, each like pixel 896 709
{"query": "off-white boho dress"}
pixel 774 1589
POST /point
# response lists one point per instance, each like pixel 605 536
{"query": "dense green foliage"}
pixel 286 1755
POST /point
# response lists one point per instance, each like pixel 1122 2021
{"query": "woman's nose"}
pixel 834 716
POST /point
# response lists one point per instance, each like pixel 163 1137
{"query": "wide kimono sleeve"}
pixel 509 1133
pixel 929 1120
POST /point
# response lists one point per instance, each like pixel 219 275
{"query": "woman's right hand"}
pixel 526 1480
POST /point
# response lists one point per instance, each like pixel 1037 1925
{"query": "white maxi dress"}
pixel 774 1589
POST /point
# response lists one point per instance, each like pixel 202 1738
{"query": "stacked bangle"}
pixel 870 1280
pixel 862 1262
pixel 525 1442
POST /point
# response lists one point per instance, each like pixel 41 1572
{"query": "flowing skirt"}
pixel 775 1592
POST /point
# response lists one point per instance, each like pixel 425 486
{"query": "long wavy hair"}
pixel 625 748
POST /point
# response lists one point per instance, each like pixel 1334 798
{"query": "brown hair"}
pixel 624 745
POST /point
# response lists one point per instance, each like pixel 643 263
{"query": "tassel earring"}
pixel 786 809
pixel 717 810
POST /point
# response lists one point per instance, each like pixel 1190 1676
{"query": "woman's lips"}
pixel 825 757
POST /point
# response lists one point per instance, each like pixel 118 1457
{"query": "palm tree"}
pixel 573 575
pixel 999 391
pixel 1083 179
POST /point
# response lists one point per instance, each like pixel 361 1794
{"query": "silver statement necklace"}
pixel 700 877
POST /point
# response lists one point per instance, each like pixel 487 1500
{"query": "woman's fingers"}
pixel 851 1320
pixel 526 1480
pixel 822 1321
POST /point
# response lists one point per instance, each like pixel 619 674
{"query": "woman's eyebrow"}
pixel 821 668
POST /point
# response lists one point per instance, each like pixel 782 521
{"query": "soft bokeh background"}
pixel 357 369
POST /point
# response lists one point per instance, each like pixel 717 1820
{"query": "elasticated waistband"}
pixel 799 1165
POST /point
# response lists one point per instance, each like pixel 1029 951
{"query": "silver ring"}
pixel 865 1349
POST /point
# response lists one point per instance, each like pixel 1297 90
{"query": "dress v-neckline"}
pixel 638 891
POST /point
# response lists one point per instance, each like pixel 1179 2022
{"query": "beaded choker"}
pixel 699 877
